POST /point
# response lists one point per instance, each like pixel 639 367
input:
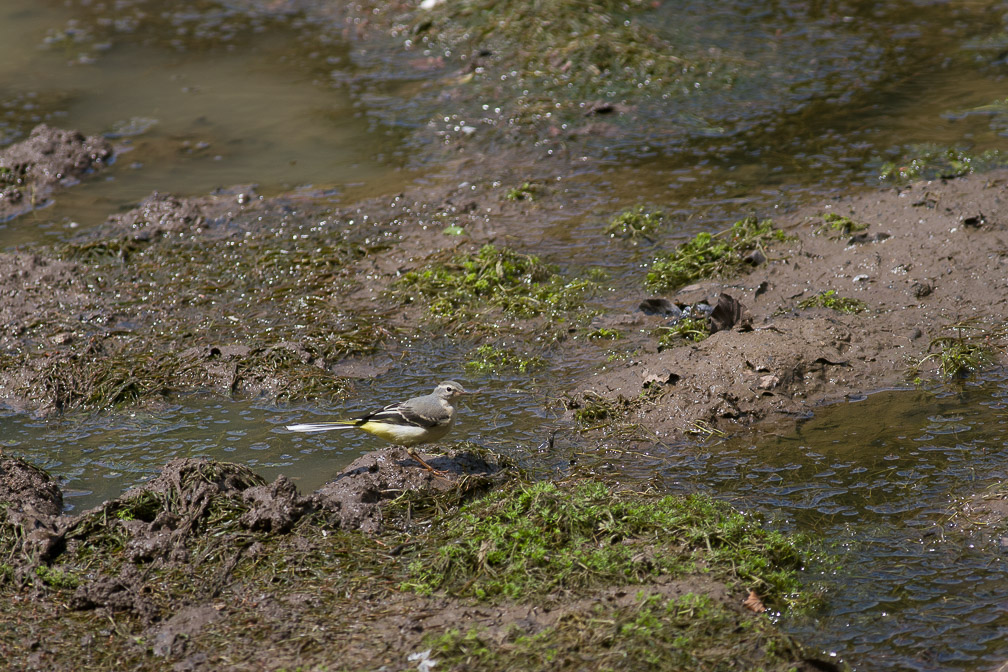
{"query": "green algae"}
pixel 928 161
pixel 463 288
pixel 712 255
pixel 489 359
pixel 830 299
pixel 552 59
pixel 635 224
pixel 841 224
pixel 686 329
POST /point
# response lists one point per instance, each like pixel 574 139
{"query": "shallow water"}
pixel 880 478
pixel 840 89
pixel 188 120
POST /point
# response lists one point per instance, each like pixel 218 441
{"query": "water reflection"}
pixel 881 478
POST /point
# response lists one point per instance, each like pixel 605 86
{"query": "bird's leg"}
pixel 437 472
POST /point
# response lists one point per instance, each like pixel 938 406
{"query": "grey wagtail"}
pixel 408 423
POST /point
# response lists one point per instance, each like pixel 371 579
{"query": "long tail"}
pixel 320 426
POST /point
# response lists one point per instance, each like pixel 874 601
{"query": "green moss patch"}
pixel 709 255
pixel 841 224
pixel 830 299
pixel 519 285
pixel 542 539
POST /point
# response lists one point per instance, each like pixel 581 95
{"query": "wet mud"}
pixel 928 265
pixel 49 160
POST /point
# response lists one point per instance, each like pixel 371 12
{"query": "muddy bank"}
pixel 209 567
pixel 911 273
pixel 50 159
pixel 291 299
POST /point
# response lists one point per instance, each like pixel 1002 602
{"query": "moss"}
pixel 709 255
pixel 842 224
pixel 519 285
pixel 532 540
pixel 830 299
pixel 57 579
pixel 638 223
pixel 593 411
pixel 488 359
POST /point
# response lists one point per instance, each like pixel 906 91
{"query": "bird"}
pixel 409 423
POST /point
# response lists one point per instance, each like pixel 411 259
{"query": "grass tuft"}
pixel 686 329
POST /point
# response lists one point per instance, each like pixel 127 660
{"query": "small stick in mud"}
pixel 409 423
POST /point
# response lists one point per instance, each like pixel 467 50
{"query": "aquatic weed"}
pixel 929 161
pixel 491 359
pixel 636 223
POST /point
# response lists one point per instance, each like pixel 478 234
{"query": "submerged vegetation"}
pixel 567 52
pixel 708 255
pixel 488 359
pixel 932 161
pixel 638 223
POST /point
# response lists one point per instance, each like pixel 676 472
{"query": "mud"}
pixel 49 160
pixel 933 256
pixel 207 566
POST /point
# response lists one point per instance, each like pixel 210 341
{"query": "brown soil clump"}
pixel 48 160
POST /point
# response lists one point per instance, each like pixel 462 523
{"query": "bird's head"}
pixel 449 389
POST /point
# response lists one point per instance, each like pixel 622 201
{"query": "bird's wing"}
pixel 321 426
pixel 419 412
